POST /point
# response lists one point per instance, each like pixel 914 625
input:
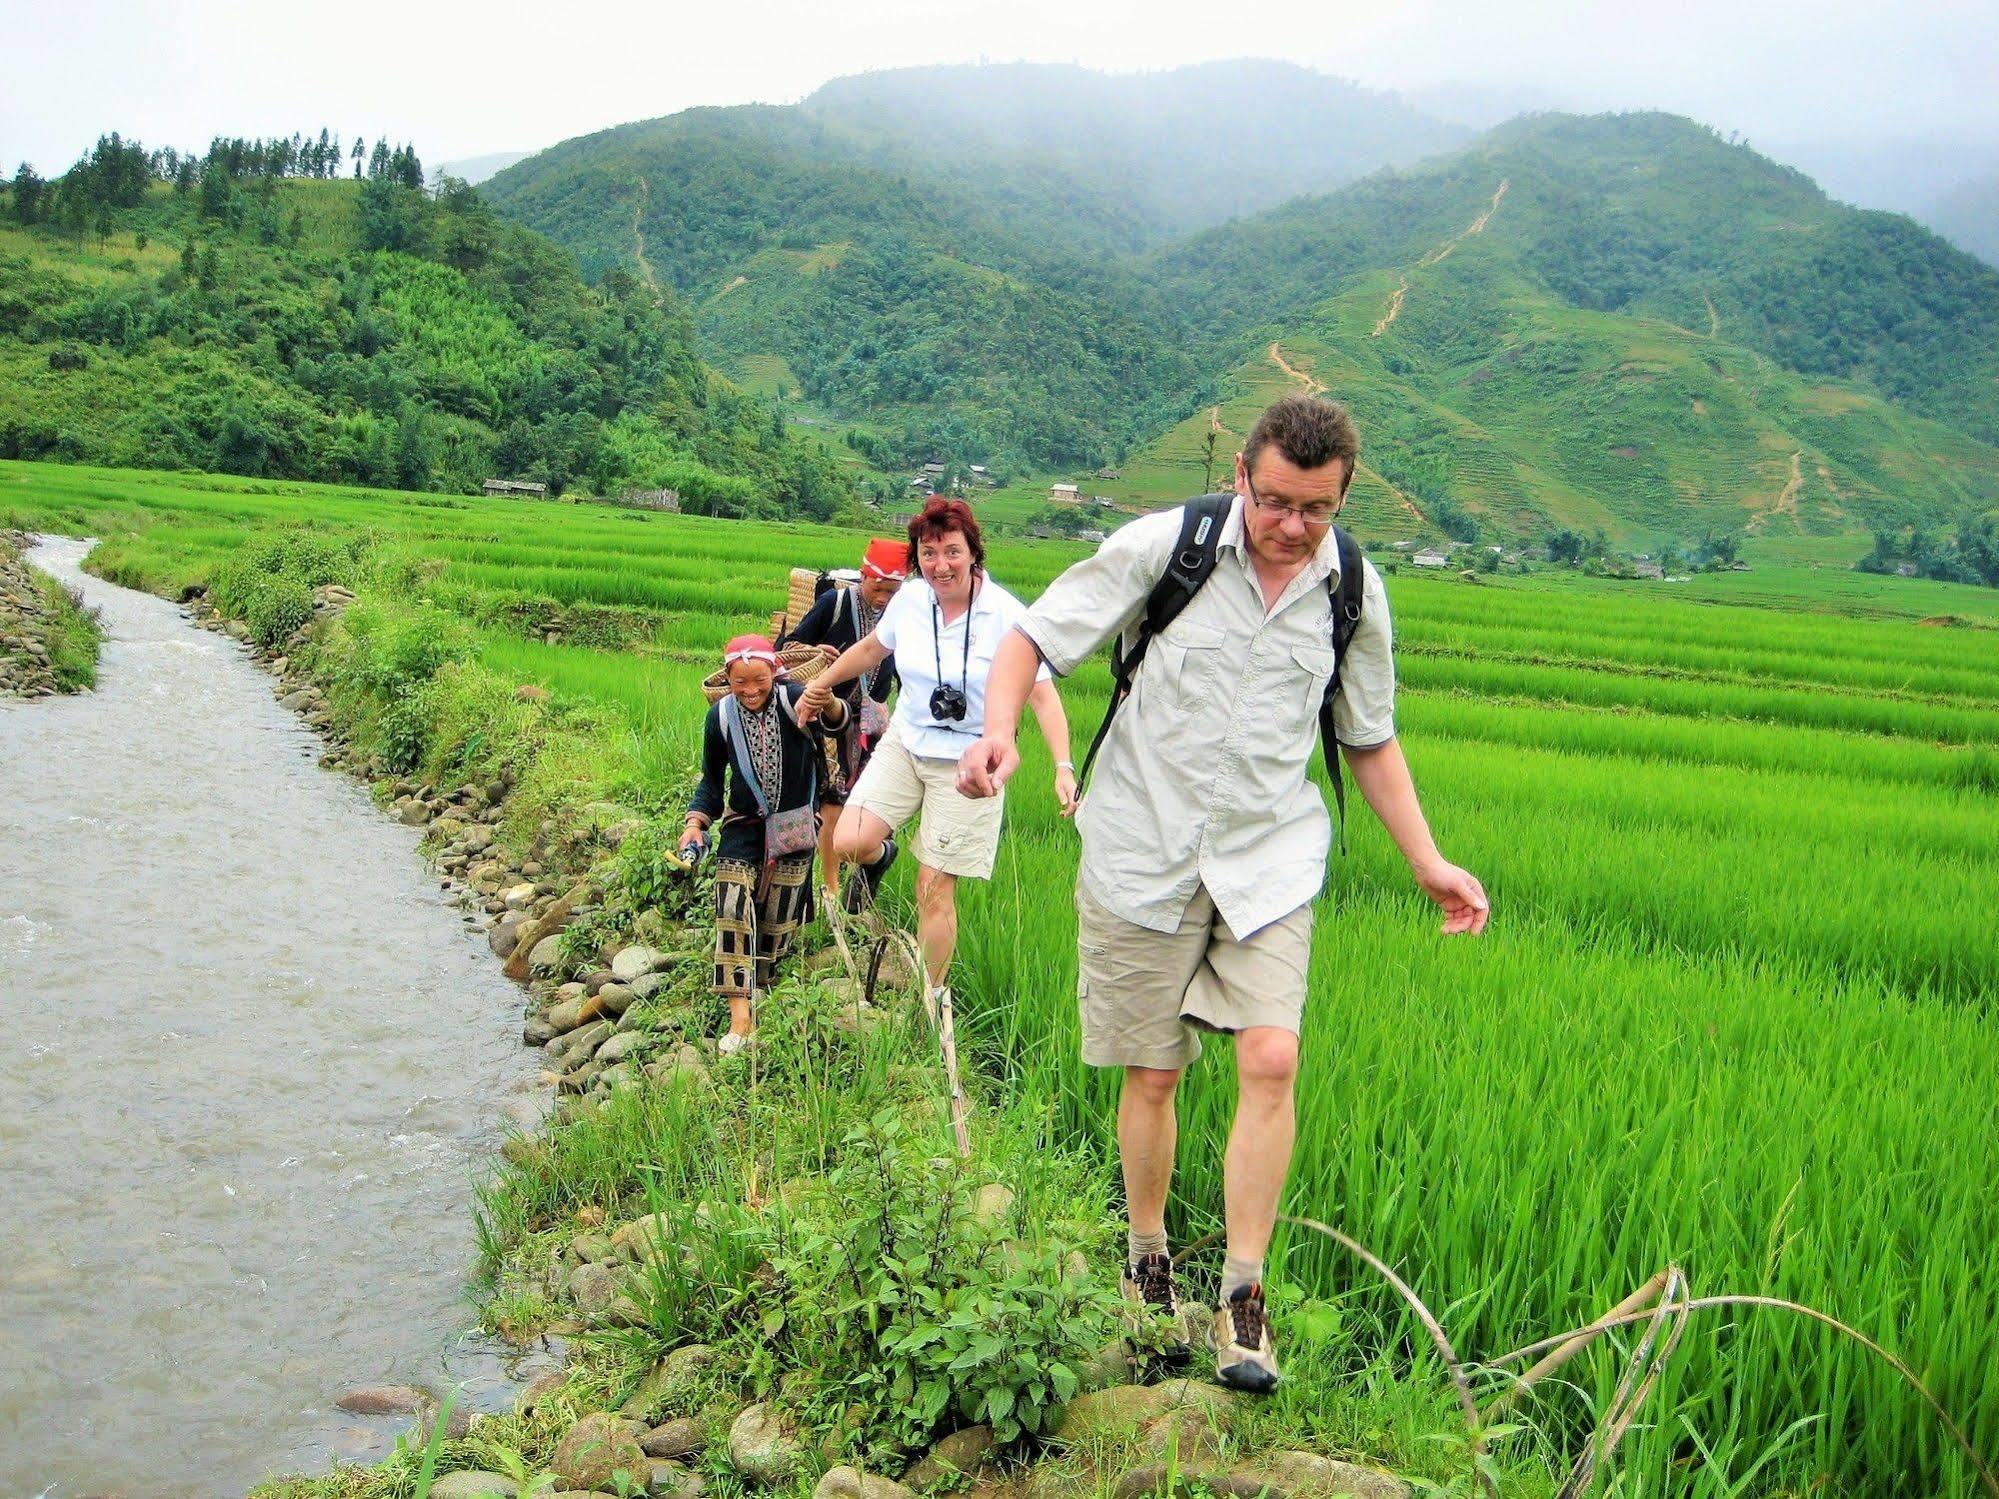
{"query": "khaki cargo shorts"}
pixel 958 834
pixel 1144 995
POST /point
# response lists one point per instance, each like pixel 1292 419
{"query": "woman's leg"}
pixel 779 915
pixel 829 852
pixel 735 895
pixel 936 920
pixel 859 834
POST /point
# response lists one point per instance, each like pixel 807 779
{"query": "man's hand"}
pixel 985 768
pixel 1466 910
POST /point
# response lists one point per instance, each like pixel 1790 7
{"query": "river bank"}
pixel 48 636
pixel 771 1269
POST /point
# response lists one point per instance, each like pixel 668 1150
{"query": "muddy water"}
pixel 252 1065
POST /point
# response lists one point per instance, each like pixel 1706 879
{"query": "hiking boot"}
pixel 1244 1359
pixel 861 893
pixel 1148 1282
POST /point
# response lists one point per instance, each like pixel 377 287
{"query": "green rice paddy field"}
pixel 1735 1009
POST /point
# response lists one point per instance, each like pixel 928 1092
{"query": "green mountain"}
pixel 252 312
pixel 941 252
pixel 1968 216
pixel 1650 216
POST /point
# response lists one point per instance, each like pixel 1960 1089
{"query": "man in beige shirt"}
pixel 1204 841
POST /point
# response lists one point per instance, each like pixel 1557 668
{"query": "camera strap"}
pixel 937 649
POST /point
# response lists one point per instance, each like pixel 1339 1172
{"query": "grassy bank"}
pixel 1735 1010
pixel 48 636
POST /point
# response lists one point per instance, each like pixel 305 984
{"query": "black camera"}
pixel 947 702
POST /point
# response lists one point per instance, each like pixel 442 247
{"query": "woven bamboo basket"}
pixel 801 663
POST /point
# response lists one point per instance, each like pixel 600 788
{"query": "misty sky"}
pixel 461 80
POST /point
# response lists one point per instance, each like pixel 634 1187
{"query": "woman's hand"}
pixel 830 652
pixel 815 700
pixel 1065 790
pixel 691 835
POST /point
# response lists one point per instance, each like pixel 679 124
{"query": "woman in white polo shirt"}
pixel 942 631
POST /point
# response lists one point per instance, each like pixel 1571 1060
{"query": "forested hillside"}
pixel 255 310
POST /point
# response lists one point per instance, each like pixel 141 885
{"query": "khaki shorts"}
pixel 958 834
pixel 1143 994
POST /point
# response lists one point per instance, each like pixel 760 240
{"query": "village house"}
pixel 1063 494
pixel 1431 559
pixel 523 488
pixel 1647 570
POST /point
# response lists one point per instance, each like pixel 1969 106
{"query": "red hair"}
pixel 937 519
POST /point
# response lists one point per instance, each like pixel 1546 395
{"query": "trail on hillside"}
pixel 1313 386
pixel 1787 502
pixel 639 206
pixel 1713 317
pixel 1432 257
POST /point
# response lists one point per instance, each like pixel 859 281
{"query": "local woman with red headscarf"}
pixel 942 630
pixel 760 773
pixel 839 618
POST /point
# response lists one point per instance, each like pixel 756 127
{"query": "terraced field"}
pixel 1734 1012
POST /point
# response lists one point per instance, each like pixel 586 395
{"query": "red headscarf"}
pixel 751 648
pixel 888 560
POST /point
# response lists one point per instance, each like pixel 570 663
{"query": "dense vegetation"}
pixel 1969 554
pixel 239 311
pixel 944 276
pixel 1788 1096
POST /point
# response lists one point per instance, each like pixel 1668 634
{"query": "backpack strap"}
pixel 1193 560
pixel 1347 592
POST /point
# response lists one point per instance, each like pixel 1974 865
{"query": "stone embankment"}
pixel 34 610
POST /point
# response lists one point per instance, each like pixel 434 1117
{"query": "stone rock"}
pixel 537 1032
pixel 992 1203
pixel 632 962
pixel 506 931
pixel 620 1046
pixel 473 1485
pixel 647 1238
pixel 762 1450
pixel 385 1400
pixel 646 985
pixel 597 1449
pixel 670 1381
pixel 675 1481
pixel 456 1425
pixel 517 896
pixel 615 999
pixel 1123 1407
pixel 591 1249
pixel 565 1015
pixel 546 952
pixel 478 837
pixel 852 1483
pixel 1307 1475
pixel 592 1288
pixel 960 1452
pixel 297 701
pixel 551 922
pixel 681 1437
pixel 414 814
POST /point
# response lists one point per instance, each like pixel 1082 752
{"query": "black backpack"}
pixel 1193 560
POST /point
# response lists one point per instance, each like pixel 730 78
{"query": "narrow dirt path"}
pixel 639 206
pixel 1787 502
pixel 1394 309
pixel 1313 386
pixel 1713 317
pixel 1432 257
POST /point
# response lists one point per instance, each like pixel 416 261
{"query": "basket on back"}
pixel 801 663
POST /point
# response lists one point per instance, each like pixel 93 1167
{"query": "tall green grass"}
pixel 1734 1009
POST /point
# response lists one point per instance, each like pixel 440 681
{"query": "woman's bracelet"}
pixel 1065 764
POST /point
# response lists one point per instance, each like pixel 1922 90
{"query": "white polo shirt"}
pixel 924 657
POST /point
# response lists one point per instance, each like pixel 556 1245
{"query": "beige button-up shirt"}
pixel 1203 777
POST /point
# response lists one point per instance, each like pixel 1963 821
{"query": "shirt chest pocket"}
pixel 1188 657
pixel 1313 669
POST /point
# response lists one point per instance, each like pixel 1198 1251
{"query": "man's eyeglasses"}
pixel 1318 513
